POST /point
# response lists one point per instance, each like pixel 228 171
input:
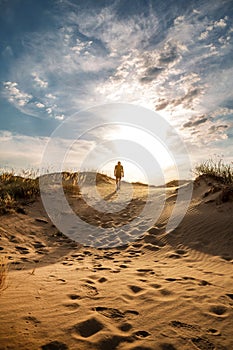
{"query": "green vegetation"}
pixel 216 169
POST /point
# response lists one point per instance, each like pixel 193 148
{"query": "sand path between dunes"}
pixel 165 290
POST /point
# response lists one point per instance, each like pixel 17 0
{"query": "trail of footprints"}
pixel 194 334
pixel 99 333
pixel 96 323
pixel 122 321
pixel 95 328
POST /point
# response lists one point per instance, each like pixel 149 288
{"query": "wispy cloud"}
pixel 178 67
pixel 16 151
pixel 15 95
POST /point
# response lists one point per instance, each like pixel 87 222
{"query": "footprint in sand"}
pixel 73 306
pixel 115 313
pixel 135 289
pixel 196 281
pixel 170 279
pixel 85 290
pixel 74 296
pixel 87 328
pixel 203 343
pixel 54 345
pixel 192 332
pixel 155 285
pixel 213 331
pixel 166 294
pixel 181 252
pixel 125 327
pixel 111 342
pixel 218 310
pixel 88 281
pixel 110 312
pixel 230 295
pixel 148 238
pixel 141 334
pixel 102 280
pixel 185 328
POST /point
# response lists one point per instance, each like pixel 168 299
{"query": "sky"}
pixel 60 58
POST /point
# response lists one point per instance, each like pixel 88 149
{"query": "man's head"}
pixel 119 163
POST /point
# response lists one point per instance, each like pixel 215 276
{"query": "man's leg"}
pixel 117 183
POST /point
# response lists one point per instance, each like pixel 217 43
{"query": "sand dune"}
pixel 161 291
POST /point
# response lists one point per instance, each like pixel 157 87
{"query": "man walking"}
pixel 118 173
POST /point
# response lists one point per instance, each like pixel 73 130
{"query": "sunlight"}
pixel 152 148
pixel 132 172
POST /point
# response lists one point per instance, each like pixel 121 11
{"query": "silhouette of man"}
pixel 118 173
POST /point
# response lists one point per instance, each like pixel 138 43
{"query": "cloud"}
pixel 97 55
pixel 213 26
pixel 5 136
pixel 187 100
pixel 196 122
pixel 50 96
pixel 81 47
pixel 215 128
pixel 41 83
pixel 59 117
pixel 150 74
pixel 169 54
pixel 221 23
pixel 16 151
pixel 40 105
pixel 15 95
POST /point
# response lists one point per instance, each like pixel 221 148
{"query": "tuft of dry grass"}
pixel 3 272
pixel 16 190
pixel 216 169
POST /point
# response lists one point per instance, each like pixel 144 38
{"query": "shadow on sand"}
pixel 109 196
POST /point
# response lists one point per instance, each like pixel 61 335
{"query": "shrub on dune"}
pixel 216 169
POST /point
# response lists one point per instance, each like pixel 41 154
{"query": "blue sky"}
pixel 61 57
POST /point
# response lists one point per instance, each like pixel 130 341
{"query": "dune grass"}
pixel 217 169
pixel 16 190
pixel 19 190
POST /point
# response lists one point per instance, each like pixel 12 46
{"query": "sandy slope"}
pixel 164 291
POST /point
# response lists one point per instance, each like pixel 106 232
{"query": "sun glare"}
pixel 151 147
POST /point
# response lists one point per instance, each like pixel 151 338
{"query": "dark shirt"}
pixel 119 171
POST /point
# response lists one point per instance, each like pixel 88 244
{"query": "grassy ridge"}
pixel 15 190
